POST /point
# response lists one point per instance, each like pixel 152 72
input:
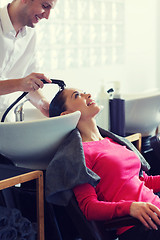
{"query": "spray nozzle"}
pixel 60 83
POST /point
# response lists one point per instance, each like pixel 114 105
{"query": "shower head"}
pixel 60 83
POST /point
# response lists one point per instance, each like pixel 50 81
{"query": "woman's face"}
pixel 77 100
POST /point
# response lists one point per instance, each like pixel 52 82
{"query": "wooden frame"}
pixel 33 175
pixel 137 138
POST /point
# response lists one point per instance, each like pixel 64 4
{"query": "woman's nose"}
pixel 88 95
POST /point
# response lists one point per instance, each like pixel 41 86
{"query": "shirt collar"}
pixel 7 26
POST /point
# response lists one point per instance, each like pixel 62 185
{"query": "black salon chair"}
pixel 96 230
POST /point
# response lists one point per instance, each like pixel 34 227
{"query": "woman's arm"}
pixel 39 101
pixel 152 182
pixel 94 209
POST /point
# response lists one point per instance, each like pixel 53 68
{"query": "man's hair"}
pixel 57 105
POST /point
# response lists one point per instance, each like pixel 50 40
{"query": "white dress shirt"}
pixel 17 53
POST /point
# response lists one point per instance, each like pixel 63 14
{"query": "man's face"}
pixel 35 10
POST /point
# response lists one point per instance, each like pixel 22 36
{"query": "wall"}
pixel 141 45
pixel 140 71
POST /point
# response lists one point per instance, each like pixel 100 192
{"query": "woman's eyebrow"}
pixel 73 93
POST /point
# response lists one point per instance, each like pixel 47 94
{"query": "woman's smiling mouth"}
pixel 90 102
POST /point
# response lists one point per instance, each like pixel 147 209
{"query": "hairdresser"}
pixel 18 71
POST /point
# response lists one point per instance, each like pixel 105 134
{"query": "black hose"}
pixel 60 83
pixel 12 105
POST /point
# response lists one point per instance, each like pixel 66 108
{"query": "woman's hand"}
pixel 39 101
pixel 43 106
pixel 147 213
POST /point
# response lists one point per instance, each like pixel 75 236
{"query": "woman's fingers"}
pixel 150 223
pixel 147 213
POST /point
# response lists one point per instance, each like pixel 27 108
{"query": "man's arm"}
pixel 29 83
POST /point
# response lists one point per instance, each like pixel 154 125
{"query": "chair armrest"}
pixel 121 222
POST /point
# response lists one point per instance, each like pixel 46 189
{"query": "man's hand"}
pixel 147 213
pixel 32 82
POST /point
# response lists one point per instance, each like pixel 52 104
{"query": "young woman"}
pixel 120 191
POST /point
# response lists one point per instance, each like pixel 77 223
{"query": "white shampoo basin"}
pixel 142 113
pixel 32 144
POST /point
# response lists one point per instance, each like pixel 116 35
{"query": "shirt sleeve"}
pixel 94 209
pixel 152 182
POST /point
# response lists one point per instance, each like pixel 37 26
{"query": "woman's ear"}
pixel 65 112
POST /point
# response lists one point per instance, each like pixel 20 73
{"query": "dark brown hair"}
pixel 57 105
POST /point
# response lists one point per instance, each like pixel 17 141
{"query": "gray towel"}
pixel 8 233
pixel 31 236
pixel 14 226
pixel 67 169
pixel 3 221
pixel 24 227
pixel 5 214
pixel 15 216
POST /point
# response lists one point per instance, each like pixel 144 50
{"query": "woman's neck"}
pixel 89 131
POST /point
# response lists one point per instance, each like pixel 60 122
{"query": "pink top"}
pixel 120 184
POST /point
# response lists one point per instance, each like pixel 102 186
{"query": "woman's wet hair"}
pixel 57 105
